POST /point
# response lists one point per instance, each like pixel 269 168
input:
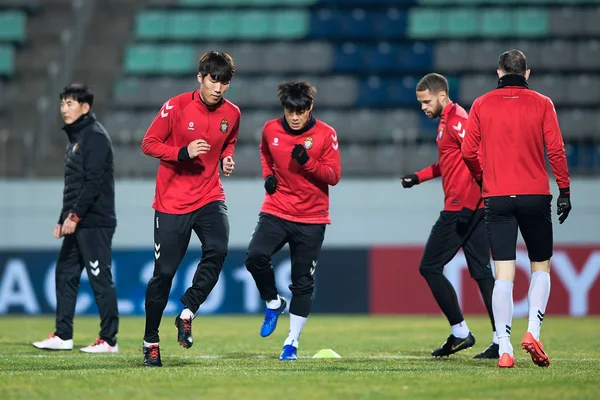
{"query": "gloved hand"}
pixel 563 204
pixel 464 220
pixel 271 184
pixel 410 180
pixel 299 154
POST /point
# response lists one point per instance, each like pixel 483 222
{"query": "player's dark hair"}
pixel 433 82
pixel 296 96
pixel 513 62
pixel 80 92
pixel 218 65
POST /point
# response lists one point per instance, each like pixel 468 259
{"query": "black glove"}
pixel 464 220
pixel 563 204
pixel 271 184
pixel 299 154
pixel 414 180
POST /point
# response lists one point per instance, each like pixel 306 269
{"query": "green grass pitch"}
pixel 382 358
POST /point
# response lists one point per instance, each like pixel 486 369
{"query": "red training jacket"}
pixel 302 193
pixel 510 127
pixel 185 186
pixel 460 189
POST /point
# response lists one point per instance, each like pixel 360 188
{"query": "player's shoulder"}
pixel 232 108
pixel 180 101
pixel 271 125
pixel 539 97
pixel 324 128
pixel 458 113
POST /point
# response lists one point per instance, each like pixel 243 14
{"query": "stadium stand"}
pixel 365 57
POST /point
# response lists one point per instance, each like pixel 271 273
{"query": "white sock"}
pixel 274 304
pixel 495 338
pixel 502 306
pixel 146 344
pixel 296 325
pixel 186 314
pixel 539 291
pixel 460 330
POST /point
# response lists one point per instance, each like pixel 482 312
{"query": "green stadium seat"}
pixel 221 25
pixel 461 22
pixel 7 60
pixel 151 25
pixel 187 25
pixel 424 23
pixel 255 25
pixel 532 22
pixel 496 22
pixel 177 59
pixel 141 59
pixel 291 24
pixel 13 26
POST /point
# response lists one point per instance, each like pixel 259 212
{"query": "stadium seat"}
pixel 187 25
pixel 566 22
pixel 452 56
pixel 577 124
pixel 290 24
pixel 587 55
pixel 177 59
pixel 425 23
pixel 142 59
pixel 553 86
pixel 13 26
pixel 496 22
pixel 222 25
pixel 460 23
pixel 151 25
pixel 531 22
pixel 583 90
pixel 256 25
pixel 556 55
pixel 7 60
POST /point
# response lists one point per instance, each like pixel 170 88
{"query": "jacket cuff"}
pixel 183 154
pixel 565 191
pixel 73 217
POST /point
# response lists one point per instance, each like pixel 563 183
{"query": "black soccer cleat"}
pixel 152 356
pixel 492 352
pixel 184 332
pixel 453 345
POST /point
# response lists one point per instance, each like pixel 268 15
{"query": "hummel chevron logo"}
pixel 458 128
pixel 335 146
pixel 314 267
pixel 156 250
pixel 334 137
pixel 167 107
pixel 95 270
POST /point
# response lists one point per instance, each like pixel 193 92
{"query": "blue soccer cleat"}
pixel 271 317
pixel 288 353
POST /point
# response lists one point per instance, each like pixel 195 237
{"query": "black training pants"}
pixel 443 244
pixel 305 240
pixel 172 233
pixel 89 248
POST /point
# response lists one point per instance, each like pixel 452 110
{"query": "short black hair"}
pixel 79 92
pixel 433 82
pixel 296 96
pixel 218 65
pixel 513 62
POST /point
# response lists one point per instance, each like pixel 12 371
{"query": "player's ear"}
pixel 199 77
pixel 527 74
pixel 500 73
pixel 311 107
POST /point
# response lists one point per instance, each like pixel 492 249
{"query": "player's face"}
pixel 430 103
pixel 212 91
pixel 297 120
pixel 71 110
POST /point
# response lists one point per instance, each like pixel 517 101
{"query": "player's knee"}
pixel 427 270
pixel 216 250
pixel 302 286
pixel 257 261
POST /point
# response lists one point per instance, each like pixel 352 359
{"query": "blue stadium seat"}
pixel 358 24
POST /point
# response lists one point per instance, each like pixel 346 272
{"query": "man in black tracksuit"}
pixel 87 222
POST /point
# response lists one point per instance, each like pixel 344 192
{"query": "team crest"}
pixel 308 143
pixel 224 125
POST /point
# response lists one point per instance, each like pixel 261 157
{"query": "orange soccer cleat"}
pixel 536 350
pixel 506 361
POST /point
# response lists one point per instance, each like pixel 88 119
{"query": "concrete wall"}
pixel 364 212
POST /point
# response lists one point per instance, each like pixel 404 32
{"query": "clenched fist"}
pixel 228 165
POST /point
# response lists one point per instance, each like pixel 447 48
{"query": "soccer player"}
pixel 192 135
pixel 507 130
pixel 300 160
pixel 87 222
pixel 460 224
